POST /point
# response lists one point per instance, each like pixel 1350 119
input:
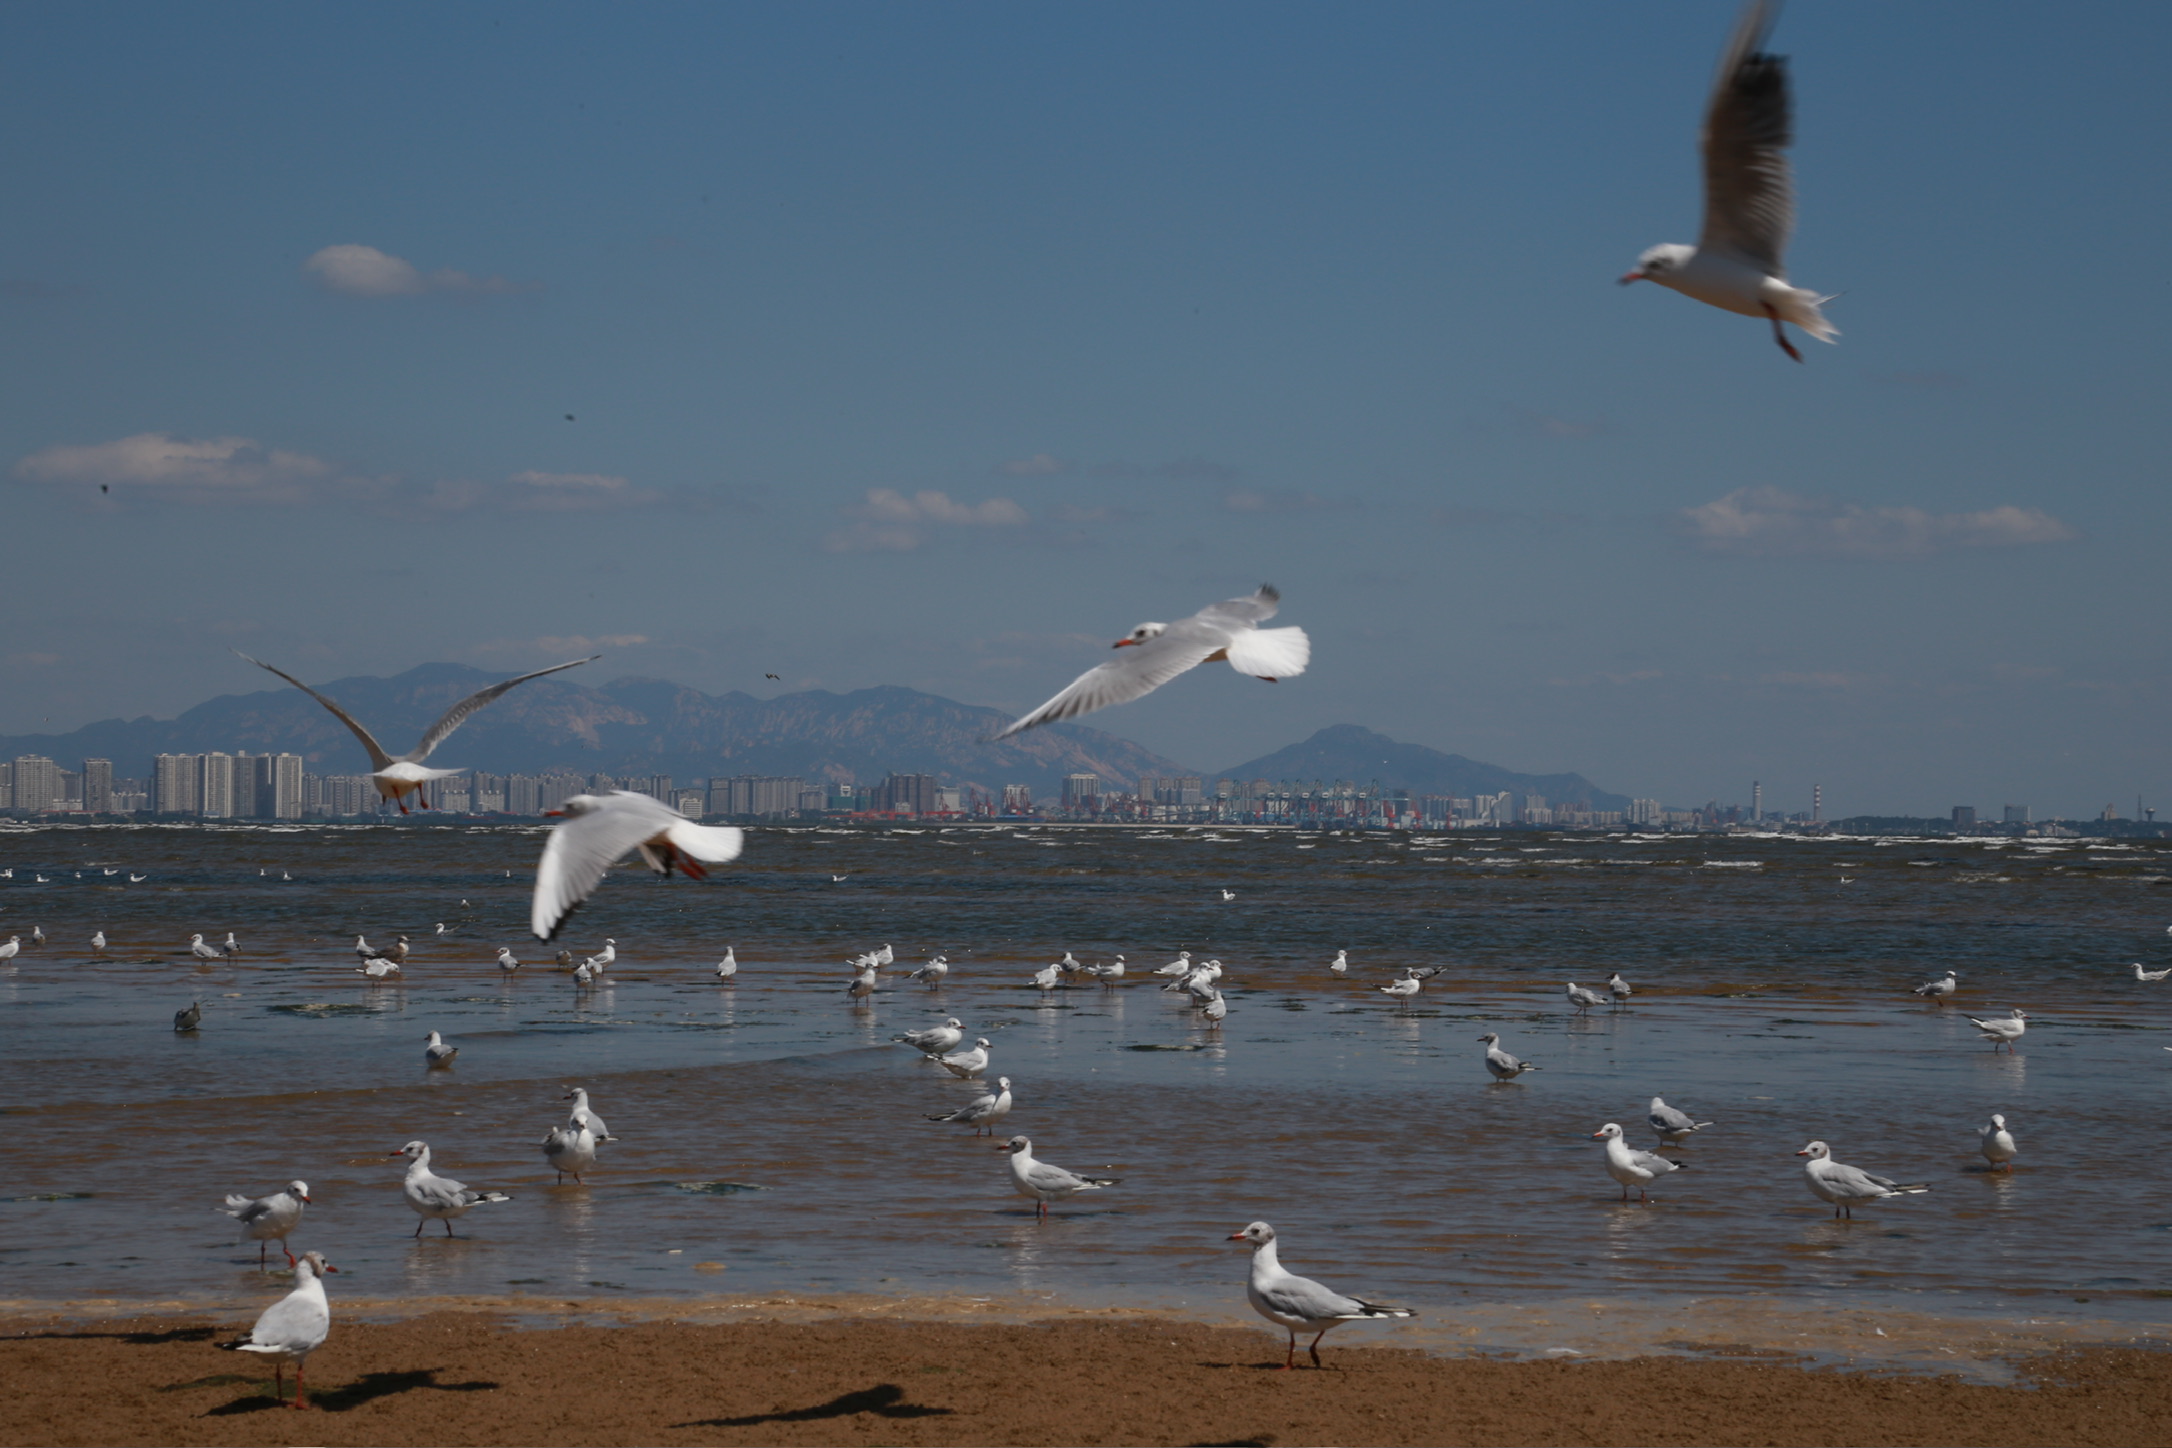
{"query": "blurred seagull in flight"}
pixel 1749 197
pixel 598 830
pixel 398 778
pixel 1229 631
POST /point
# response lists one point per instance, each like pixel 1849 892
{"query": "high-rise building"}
pixel 177 783
pixel 7 786
pixel 37 782
pixel 1081 791
pixel 1644 812
pixel 1757 799
pixel 907 794
pixel 1964 816
pixel 2017 814
pixel 1018 799
pixel 98 786
pixel 216 790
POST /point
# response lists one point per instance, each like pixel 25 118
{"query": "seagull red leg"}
pixel 1779 335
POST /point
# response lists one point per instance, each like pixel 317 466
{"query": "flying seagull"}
pixel 1229 630
pixel 1749 197
pixel 398 778
pixel 598 830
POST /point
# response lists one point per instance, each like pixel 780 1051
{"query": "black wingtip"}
pixel 1271 593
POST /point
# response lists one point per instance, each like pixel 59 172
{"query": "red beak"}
pixel 1802 1153
pixel 1123 643
pixel 554 813
pixel 1234 1237
pixel 330 1268
pixel 1628 277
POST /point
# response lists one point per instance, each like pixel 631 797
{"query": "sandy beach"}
pixel 466 1378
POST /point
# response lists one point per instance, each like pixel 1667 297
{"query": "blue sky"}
pixel 940 345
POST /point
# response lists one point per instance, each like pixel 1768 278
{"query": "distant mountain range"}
pixel 1347 751
pixel 637 726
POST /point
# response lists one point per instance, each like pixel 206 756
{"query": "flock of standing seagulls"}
pixel 1736 265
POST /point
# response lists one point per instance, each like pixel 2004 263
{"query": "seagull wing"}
pixel 458 713
pixel 1301 1297
pixel 1133 674
pixel 1269 653
pixel 1232 614
pixel 584 846
pixel 1749 197
pixel 295 1323
pixel 378 758
pixel 713 843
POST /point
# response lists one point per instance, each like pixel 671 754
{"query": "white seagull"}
pixel 1672 1127
pixel 1619 987
pixel 1229 630
pixel 983 1112
pixel 2139 973
pixel 98 943
pixel 1630 1167
pixel 1402 989
pixel 1749 197
pixel 1299 1303
pixel 1215 1009
pixel 1503 1066
pixel 433 1196
pixel 1936 991
pixel 1584 999
pixel 932 973
pixel 293 1327
pixel 1045 1183
pixel 377 967
pixel 570 1149
pixel 728 966
pixel 1228 895
pixel 1108 974
pixel 437 1053
pixel 2002 1032
pixel 1848 1187
pixel 966 1064
pixel 608 954
pixel 1182 965
pixel 1341 963
pixel 1998 1144
pixel 232 946
pixel 506 962
pixel 13 948
pixel 599 830
pixel 202 951
pixel 269 1219
pixel 863 984
pixel 1047 977
pixel 398 778
pixel 935 1040
pixel 580 1115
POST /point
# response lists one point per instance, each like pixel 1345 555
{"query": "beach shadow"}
pixel 144 1339
pixel 885 1400
pixel 365 1389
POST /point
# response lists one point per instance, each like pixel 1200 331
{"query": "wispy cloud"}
pixel 192 470
pixel 364 271
pixel 1772 522
pixel 1040 465
pixel 1280 500
pixel 576 492
pixel 891 522
pixel 561 646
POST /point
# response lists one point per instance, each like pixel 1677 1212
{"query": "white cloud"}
pixel 575 492
pixel 890 522
pixel 196 470
pixel 1772 522
pixel 364 271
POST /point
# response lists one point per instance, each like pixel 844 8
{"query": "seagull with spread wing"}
pixel 1228 631
pixel 598 830
pixel 398 778
pixel 1749 196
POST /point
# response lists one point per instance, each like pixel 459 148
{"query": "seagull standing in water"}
pixel 202 951
pixel 1229 631
pixel 2002 1032
pixel 1848 1187
pixel 506 962
pixel 1620 988
pixel 983 1112
pixel 1584 999
pixel 434 1197
pixel 265 1220
pixel 932 973
pixel 599 830
pixel 2139 973
pixel 966 1064
pixel 1671 1126
pixel 1341 963
pixel 728 966
pixel 436 1053
pixel 1299 1303
pixel 1749 196
pixel 935 1040
pixel 293 1327
pixel 396 779
pixel 571 1150
pixel 1503 1066
pixel 1998 1144
pixel 1936 991
pixel 1630 1167
pixel 1043 1182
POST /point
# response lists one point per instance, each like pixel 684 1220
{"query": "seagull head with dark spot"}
pixel 1141 634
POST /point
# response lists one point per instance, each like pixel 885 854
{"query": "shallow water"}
pixel 773 1141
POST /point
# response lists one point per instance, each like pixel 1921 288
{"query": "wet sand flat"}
pixel 464 1378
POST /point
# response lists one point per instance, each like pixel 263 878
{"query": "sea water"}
pixel 774 1142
